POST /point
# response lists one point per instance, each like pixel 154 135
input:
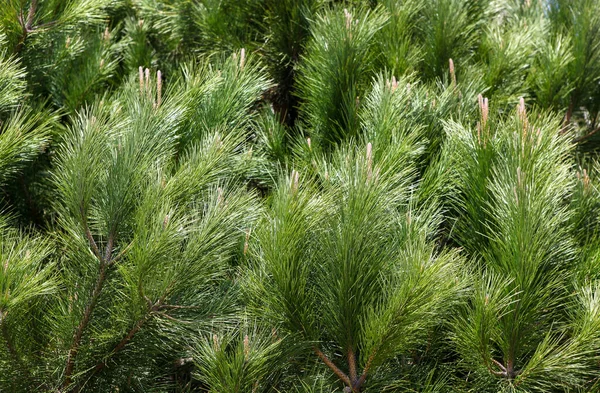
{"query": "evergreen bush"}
pixel 299 196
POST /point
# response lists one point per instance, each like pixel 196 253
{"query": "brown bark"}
pixel 352 366
pixel 586 136
pixel 83 324
pixel 363 376
pixel 568 116
pixel 7 340
pixel 11 348
pixel 340 374
pixel 152 308
pixel 30 15
pixel 27 25
pixel 136 328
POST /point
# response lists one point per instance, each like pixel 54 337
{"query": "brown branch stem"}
pixel 352 366
pixel 92 242
pixel 11 349
pixel 27 25
pixel 125 340
pixel 30 15
pixel 152 308
pixel 83 324
pixel 586 136
pixel 568 115
pixel 502 373
pixel 363 376
pixel 340 374
pixel 109 249
pixel 6 336
pixel 120 255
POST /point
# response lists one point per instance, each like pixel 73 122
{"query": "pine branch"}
pixel 7 340
pixel 105 263
pixel 352 366
pixel 502 373
pixel 11 348
pixel 152 309
pixel 586 136
pixel 83 324
pixel 27 25
pixel 109 249
pixel 365 372
pixel 92 242
pixel 341 375
pixel 120 255
pixel 125 340
pixel 32 8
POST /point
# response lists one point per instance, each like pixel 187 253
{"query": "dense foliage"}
pixel 299 196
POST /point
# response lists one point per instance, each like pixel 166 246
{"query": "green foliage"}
pixel 12 79
pixel 512 216
pixel 22 137
pixel 287 23
pixel 351 268
pixel 335 72
pixel 395 45
pixel 549 76
pixel 448 34
pixel 299 196
pixel 244 360
pixel 26 281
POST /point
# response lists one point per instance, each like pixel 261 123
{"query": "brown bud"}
pixel 246 346
pixel 522 112
pixel 348 19
pixel 147 81
pixel 484 110
pixel 452 72
pixel 242 58
pixel 158 88
pixel 586 179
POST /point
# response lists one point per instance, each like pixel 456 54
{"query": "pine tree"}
pixel 514 176
pixel 299 196
pixel 345 260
